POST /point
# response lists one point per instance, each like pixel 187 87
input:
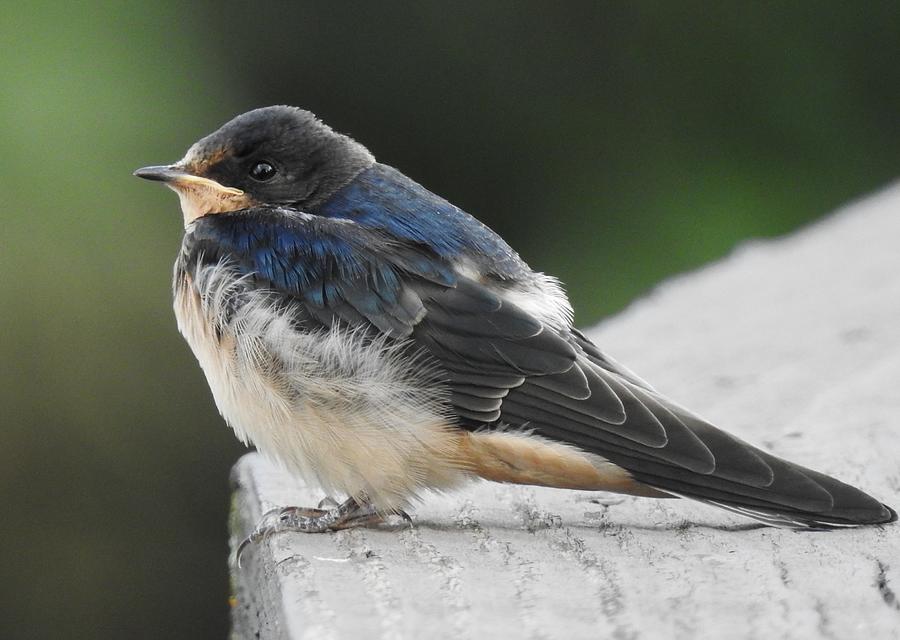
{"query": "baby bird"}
pixel 365 333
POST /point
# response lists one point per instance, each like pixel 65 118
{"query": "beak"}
pixel 162 173
pixel 175 176
pixel 199 196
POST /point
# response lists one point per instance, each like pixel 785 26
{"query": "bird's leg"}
pixel 353 512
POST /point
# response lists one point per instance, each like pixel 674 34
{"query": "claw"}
pixel 263 529
pixel 272 522
pixel 353 512
pixel 253 538
pixel 239 553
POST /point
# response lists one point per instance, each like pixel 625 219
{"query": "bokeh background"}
pixel 612 144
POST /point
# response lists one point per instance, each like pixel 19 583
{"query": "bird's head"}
pixel 271 156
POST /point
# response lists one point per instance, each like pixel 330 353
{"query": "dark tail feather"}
pixel 757 484
pixel 793 521
pixel 798 498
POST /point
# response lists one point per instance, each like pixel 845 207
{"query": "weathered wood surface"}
pixel 792 344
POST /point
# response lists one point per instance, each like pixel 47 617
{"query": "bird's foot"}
pixel 330 516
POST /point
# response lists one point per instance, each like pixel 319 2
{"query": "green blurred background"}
pixel 611 143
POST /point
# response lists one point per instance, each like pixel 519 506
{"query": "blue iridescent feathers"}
pixel 383 198
pixel 335 268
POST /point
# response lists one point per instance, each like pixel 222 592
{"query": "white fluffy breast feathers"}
pixel 356 413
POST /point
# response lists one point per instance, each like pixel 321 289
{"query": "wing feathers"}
pixel 567 390
pixel 572 384
pixel 460 374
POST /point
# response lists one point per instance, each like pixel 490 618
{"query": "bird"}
pixel 371 337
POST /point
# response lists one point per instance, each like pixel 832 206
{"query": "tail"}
pixel 699 461
pixel 793 496
pixel 599 408
pixel 793 507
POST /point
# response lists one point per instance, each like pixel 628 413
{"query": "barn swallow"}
pixel 365 333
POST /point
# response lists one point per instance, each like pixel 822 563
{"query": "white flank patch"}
pixel 544 298
pixel 541 296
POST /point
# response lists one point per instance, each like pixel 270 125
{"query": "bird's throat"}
pixel 203 197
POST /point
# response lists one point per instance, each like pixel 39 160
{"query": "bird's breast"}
pixel 353 412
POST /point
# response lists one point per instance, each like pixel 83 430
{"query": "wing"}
pixel 507 369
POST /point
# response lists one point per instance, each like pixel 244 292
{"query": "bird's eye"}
pixel 262 171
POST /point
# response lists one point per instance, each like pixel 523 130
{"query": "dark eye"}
pixel 262 171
